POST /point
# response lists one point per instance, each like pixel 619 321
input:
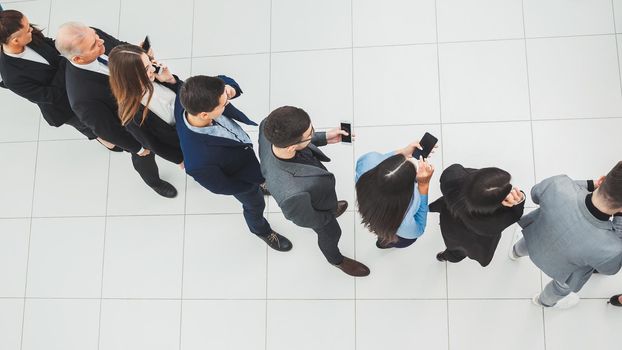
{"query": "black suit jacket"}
pixel 38 82
pixel 92 100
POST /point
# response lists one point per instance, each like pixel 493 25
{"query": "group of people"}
pixel 120 95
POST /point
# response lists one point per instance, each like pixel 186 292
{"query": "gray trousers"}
pixel 554 290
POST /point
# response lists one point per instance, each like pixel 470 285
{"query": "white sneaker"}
pixel 567 302
pixel 518 234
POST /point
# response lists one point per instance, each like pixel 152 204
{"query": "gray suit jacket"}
pixel 305 193
pixel 564 239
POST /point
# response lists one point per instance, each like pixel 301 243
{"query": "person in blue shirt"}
pixel 392 195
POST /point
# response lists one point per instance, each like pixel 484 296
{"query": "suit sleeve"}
pixel 231 82
pixel 154 144
pixel 609 266
pixel 109 39
pixel 319 139
pixel 299 210
pixel 36 93
pixel 216 181
pixel 538 190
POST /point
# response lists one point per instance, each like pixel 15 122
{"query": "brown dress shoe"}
pixel 341 208
pixel 353 267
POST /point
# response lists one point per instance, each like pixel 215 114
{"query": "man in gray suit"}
pixel 572 234
pixel 291 163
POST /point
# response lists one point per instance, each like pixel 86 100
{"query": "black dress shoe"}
pixel 379 245
pixel 615 300
pixel 341 208
pixel 277 242
pixel 441 256
pixel 165 189
pixel 264 189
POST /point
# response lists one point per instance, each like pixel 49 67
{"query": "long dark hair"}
pixel 482 193
pixel 129 81
pixel 11 22
pixel 384 194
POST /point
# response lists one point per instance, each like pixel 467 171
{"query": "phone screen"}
pixel 146 44
pixel 347 127
pixel 427 143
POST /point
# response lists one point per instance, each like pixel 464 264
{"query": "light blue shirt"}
pixel 222 127
pixel 416 215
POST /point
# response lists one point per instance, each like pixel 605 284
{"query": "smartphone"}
pixel 347 127
pixel 427 143
pixel 157 68
pixel 146 44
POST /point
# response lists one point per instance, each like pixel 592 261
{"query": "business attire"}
pixel 467 235
pixel 415 219
pixel 568 238
pixel 220 157
pixel 38 75
pixel 92 100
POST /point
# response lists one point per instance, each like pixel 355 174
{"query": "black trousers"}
pixel 147 168
pixel 83 129
pixel 454 256
pixel 328 240
pixel 253 204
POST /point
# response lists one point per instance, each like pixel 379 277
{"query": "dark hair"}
pixel 201 94
pixel 129 81
pixel 286 125
pixel 11 22
pixel 384 194
pixel 611 188
pixel 482 192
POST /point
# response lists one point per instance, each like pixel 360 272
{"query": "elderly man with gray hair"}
pixel 88 89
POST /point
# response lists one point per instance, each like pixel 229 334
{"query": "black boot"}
pixel 165 189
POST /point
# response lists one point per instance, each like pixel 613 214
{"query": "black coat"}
pixel 155 134
pixel 39 83
pixel 477 235
pixel 92 100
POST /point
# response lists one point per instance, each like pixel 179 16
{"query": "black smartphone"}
pixel 157 68
pixel 146 44
pixel 347 127
pixel 427 143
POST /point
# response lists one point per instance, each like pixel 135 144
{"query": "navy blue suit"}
pixel 224 166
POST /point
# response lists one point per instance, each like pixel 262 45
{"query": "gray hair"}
pixel 68 37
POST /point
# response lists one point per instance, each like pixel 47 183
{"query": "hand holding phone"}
pixel 427 144
pixel 347 127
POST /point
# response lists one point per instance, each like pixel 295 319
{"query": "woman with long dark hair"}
pixel 32 68
pixel 146 100
pixel 392 195
pixel 476 206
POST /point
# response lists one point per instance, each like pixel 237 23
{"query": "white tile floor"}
pixel 92 259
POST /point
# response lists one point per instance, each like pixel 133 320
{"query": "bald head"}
pixel 79 43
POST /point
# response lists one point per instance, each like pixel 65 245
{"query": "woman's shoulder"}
pixel 369 160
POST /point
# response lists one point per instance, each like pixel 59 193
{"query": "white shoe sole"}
pixel 567 302
pixel 516 236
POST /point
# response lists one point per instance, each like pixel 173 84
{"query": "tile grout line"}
pixel 101 288
pixel 268 205
pixel 353 116
pixel 615 30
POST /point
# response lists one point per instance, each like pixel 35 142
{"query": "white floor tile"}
pixel 484 81
pixel 19 117
pixel 574 77
pixel 342 166
pixel 303 272
pixel 479 20
pixel 162 20
pixel 223 324
pixel 11 316
pixel 602 286
pixel 495 324
pixel 180 67
pixel 140 324
pixel 13 256
pixel 590 325
pixel 406 273
pixel 617 12
pixel 559 17
pixel 128 194
pixel 401 324
pixel 103 15
pixel 66 257
pixel 61 324
pixel 143 257
pixel 295 24
pixel 216 34
pixel 310 324
pixel 202 201
pixel 223 259
pixel 77 172
pixel 570 141
pixel 396 85
pixel 19 172
pixel 320 82
pixel 64 132
pixel 393 22
pixel 38 12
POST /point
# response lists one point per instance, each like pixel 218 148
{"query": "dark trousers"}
pixel 147 168
pixel 328 240
pixel 253 204
pixel 454 256
pixel 83 129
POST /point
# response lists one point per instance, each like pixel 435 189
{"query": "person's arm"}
pixel 497 222
pixel 153 143
pixel 216 181
pixel 610 266
pixel 421 216
pixel 36 93
pixel 109 39
pixel 539 188
pixel 299 210
pixel 231 82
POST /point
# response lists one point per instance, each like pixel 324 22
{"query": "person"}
pixel 392 195
pixel 146 100
pixel 571 235
pixel 304 189
pixel 90 96
pixel 616 300
pixel 476 206
pixel 32 68
pixel 218 153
